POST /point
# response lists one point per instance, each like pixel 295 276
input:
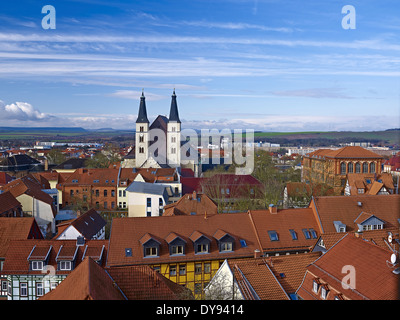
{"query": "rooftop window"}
pixel 273 236
pixel 293 234
pixel 243 243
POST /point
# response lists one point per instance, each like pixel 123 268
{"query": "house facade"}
pixel 332 166
pixel 34 267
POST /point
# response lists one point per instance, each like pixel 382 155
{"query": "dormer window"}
pixel 201 243
pixel 37 265
pixel 316 285
pixel 225 241
pixel 324 291
pixel 151 246
pixel 66 257
pixel 176 244
pixel 38 257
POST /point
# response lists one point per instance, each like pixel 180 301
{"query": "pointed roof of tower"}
pixel 173 113
pixel 142 116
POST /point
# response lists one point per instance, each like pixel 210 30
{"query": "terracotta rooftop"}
pixel 143 283
pixel 191 203
pixel 17 229
pixel 88 281
pixel 132 233
pixel 293 228
pixel 16 258
pixel 347 209
pixel 274 278
pixel 370 183
pixel 8 202
pixel 374 279
pixel 345 152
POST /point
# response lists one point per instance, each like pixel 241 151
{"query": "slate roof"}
pixel 142 115
pixel 88 224
pixel 173 113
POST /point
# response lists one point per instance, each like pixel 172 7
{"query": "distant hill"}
pixel 321 138
pixel 41 129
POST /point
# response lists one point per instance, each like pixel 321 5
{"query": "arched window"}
pixel 365 167
pixel 342 168
pixel 358 167
pixel 372 167
pixel 350 167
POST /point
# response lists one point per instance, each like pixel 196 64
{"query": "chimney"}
pixel 78 213
pixel 257 254
pixel 46 165
pixel 205 215
pixel 273 209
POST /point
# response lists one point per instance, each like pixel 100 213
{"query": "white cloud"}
pixel 21 111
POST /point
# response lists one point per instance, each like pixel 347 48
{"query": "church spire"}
pixel 173 113
pixel 142 116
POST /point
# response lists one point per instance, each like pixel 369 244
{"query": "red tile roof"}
pixel 345 152
pixel 347 209
pixel 16 258
pixel 88 281
pixel 17 229
pixel 191 203
pixel 143 283
pixel 373 277
pixel 8 202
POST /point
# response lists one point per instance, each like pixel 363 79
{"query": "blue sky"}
pixel 264 65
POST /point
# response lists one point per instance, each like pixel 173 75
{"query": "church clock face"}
pixel 141 134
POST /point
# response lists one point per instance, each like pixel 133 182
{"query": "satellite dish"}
pixel 393 258
pixel 390 238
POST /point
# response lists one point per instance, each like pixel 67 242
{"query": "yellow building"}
pixel 185 249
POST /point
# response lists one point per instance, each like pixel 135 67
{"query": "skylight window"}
pixel 273 236
pixel 307 234
pixel 243 243
pixel 128 252
pixel 293 234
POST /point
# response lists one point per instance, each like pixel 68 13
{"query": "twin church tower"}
pixel 170 126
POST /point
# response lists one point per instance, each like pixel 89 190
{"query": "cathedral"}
pixel 158 145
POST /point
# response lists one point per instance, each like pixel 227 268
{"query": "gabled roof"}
pixel 88 281
pixel 8 202
pixel 17 229
pixel 374 278
pixel 134 232
pixel 346 209
pixel 194 203
pixel 16 257
pixel 89 223
pixel 29 185
pixel 143 283
pixel 145 187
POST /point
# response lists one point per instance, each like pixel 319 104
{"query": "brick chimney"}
pixel 273 209
pixel 257 254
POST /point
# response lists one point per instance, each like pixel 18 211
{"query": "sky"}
pixel 268 65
